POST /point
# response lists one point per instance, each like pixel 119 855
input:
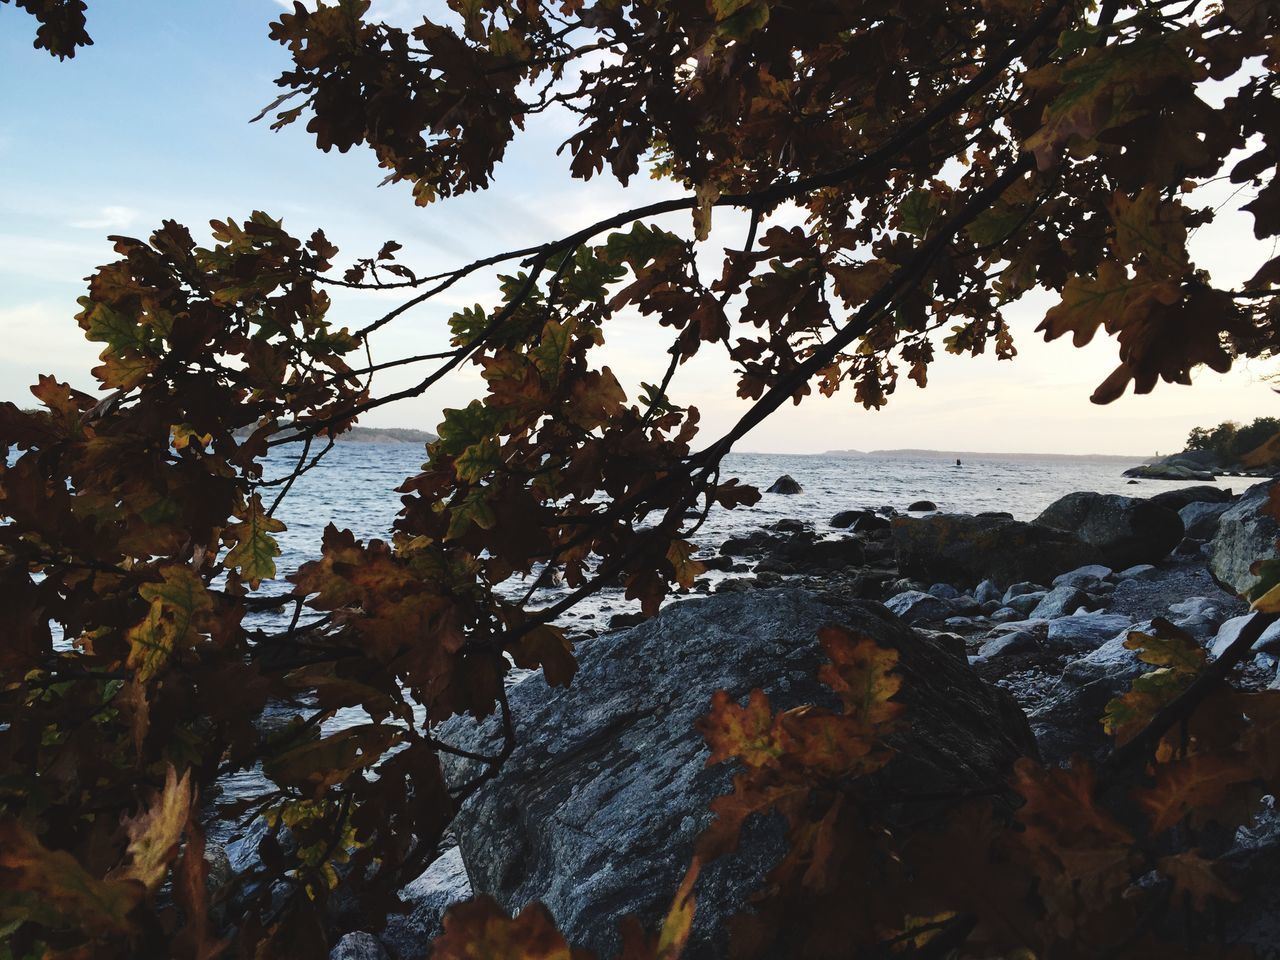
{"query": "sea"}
pixel 354 488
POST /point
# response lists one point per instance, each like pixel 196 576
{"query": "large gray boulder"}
pixel 1177 499
pixel 1245 535
pixel 1201 519
pixel 1123 530
pixel 960 549
pixel 596 812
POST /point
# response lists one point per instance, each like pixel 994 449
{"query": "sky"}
pixel 151 123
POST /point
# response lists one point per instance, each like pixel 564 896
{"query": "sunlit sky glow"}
pixel 152 123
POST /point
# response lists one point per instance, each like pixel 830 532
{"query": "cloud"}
pixel 108 218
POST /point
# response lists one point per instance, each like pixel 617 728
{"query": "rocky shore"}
pixel 1011 636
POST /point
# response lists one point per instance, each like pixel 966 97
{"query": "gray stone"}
pixel 1086 631
pixel 916 607
pixel 1021 589
pixel 987 591
pixel 1026 602
pixel 785 485
pixel 1008 644
pixel 443 884
pixel 990 607
pixel 944 591
pixel 1139 571
pixel 1060 602
pixel 1111 659
pixel 1004 615
pixel 956 548
pixel 1230 630
pixel 959 623
pixel 1201 519
pixel 923 505
pixel 1087 576
pixel 1245 535
pixel 1123 530
pixel 1177 499
pixel 359 946
pixel 596 812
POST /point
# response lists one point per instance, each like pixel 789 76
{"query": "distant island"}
pixel 371 435
pixel 979 455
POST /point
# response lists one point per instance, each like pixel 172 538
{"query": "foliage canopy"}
pixel 909 170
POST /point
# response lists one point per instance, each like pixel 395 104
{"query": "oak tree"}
pixel 908 171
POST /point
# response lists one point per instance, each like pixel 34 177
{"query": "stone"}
pixel 1230 630
pixel 1060 602
pixel 1003 615
pixel 443 884
pixel 871 523
pixel 722 562
pixel 359 946
pixel 917 607
pixel 1188 548
pixel 1026 602
pixel 1177 499
pixel 1169 471
pixel 1085 632
pixel 1021 589
pixel 944 591
pixel 956 548
pixel 1086 577
pixel 596 812
pixel 1201 519
pixel 785 485
pixel 1245 535
pixel 846 518
pixel 1123 530
pixel 789 525
pixel 923 505
pixel 987 592
pixel 1007 645
pixel 1139 571
pixel 1199 616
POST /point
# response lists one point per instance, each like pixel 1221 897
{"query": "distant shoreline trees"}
pixel 1231 440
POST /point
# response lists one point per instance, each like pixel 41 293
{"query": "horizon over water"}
pixel 354 488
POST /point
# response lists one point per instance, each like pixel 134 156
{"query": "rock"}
pixel 1177 499
pixel 719 562
pixel 1188 548
pixel 1201 519
pixel 620 620
pixel 785 485
pixel 916 607
pixel 959 623
pixel 846 518
pixel 1199 616
pixel 596 812
pixel 359 946
pixel 1169 471
pixel 1230 630
pixel 923 505
pixel 1086 577
pixel 871 523
pixel 955 548
pixel 826 554
pixel 1245 535
pixel 443 884
pixel 1026 602
pixel 1021 588
pixel 752 544
pixel 1003 615
pixel 944 591
pixel 1008 644
pixel 1133 482
pixel 987 592
pixel 774 565
pixel 1059 602
pixel 1123 530
pixel 733 585
pixel 1086 631
pixel 789 525
pixel 1140 571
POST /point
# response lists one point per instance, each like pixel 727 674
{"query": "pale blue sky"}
pixel 152 122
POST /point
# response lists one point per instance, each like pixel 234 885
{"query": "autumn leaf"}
pixel 255 550
pixel 1196 878
pixel 744 733
pixel 154 833
pixel 177 602
pixel 1198 782
pixel 862 673
pixel 52 887
pixel 480 930
pixel 680 556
